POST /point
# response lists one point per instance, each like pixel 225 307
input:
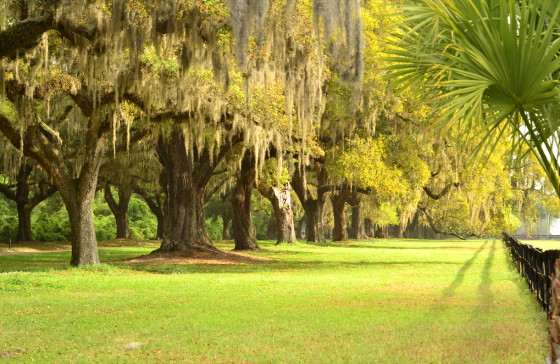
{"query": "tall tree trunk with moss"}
pixel 77 192
pixel 338 200
pixel 282 205
pixel 226 224
pixel 313 206
pixel 369 228
pixel 155 204
pixel 357 230
pixel 25 200
pixel 381 232
pixel 244 232
pixel 22 199
pixel 119 209
pixel 187 175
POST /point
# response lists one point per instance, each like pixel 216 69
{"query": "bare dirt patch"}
pixel 31 250
pixel 10 353
pixel 40 247
pixel 197 257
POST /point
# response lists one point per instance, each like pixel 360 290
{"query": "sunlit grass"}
pixel 543 244
pixel 382 301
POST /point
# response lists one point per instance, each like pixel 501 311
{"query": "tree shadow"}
pixel 459 278
pixel 485 280
pixel 271 266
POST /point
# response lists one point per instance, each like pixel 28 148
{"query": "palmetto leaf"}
pixel 494 66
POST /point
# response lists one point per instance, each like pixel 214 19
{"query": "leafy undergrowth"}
pixel 382 301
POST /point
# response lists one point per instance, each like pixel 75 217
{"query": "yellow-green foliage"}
pixel 163 66
pixel 409 155
pixel 482 204
pixel 273 175
pixel 363 162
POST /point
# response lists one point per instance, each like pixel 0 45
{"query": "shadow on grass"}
pixel 450 290
pixel 407 245
pixel 273 266
pixel 45 262
pixel 485 280
pixel 519 281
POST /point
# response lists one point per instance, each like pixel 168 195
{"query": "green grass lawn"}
pixel 543 244
pixel 381 301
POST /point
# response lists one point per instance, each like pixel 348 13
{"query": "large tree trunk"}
pixel 313 207
pixel 369 228
pixel 226 221
pixel 22 202
pixel 244 232
pixel 282 205
pixel 77 195
pixel 314 220
pixel 80 211
pixel 119 209
pixel 381 232
pixel 186 177
pixel 184 228
pixel 357 229
pixel 338 200
pixel 24 222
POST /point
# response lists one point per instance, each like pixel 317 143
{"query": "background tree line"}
pixel 185 107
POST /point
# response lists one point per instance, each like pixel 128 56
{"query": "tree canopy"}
pixel 180 101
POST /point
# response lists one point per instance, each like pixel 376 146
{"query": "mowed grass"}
pixel 381 301
pixel 543 244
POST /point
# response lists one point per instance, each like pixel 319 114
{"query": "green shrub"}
pixel 9 220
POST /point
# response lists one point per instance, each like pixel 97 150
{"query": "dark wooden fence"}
pixel 536 266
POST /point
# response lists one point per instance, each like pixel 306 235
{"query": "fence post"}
pixel 554 319
pixel 541 270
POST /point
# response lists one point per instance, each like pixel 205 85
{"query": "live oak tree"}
pixel 91 56
pixel 27 188
pixel 364 164
pixel 275 186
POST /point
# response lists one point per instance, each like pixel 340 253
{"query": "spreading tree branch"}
pixel 6 189
pixel 436 230
pixel 445 191
pixel 23 35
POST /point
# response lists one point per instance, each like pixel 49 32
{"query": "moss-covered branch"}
pixel 46 90
pixel 445 191
pixel 23 35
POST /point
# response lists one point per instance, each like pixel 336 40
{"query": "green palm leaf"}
pixel 487 67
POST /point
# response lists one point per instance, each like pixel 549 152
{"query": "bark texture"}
pixel 369 228
pixel 185 178
pixel 357 228
pixel 312 205
pixel 119 208
pixel 77 192
pixel 244 232
pixel 226 224
pixel 381 232
pixel 283 214
pixel 338 200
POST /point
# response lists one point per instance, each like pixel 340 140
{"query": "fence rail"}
pixel 537 237
pixel 536 266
